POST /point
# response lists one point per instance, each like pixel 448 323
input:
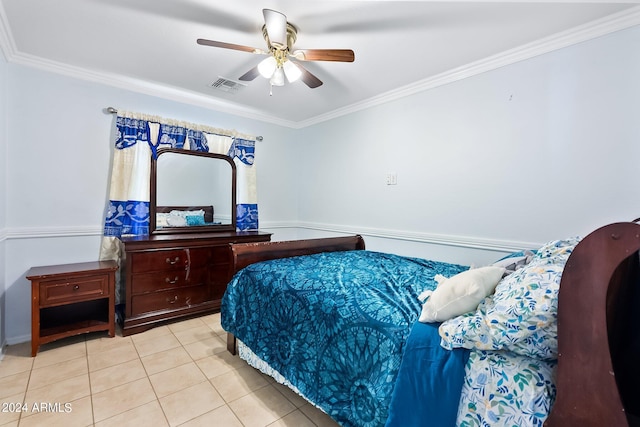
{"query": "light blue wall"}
pixel 59 143
pixel 3 195
pixel 542 149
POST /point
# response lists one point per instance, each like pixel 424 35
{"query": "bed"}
pixel 338 324
pixel 184 216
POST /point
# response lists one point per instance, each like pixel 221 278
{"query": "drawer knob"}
pixel 172 300
pixel 171 282
pixel 76 287
pixel 173 261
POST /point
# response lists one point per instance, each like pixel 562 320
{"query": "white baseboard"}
pixel 18 340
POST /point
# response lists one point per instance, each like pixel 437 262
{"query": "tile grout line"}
pixel 148 377
pixel 194 357
pixel 207 379
pixel 24 397
pixel 86 356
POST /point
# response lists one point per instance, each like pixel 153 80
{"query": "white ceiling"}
pixel 400 46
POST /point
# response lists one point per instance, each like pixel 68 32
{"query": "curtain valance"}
pixel 139 136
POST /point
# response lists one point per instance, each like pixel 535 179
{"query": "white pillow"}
pixel 459 294
pixel 162 219
pixel 176 221
pixel 199 212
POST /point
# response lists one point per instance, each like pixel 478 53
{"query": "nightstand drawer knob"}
pixel 76 287
pixel 171 282
pixel 173 261
pixel 173 301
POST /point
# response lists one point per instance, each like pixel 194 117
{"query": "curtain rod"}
pixel 112 110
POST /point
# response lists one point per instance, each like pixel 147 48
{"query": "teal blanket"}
pixel 333 324
pixel 429 383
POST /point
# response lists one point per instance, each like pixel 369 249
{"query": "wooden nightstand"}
pixel 71 299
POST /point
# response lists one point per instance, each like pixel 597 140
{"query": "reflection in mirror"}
pixel 192 191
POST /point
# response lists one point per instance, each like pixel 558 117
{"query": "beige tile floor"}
pixel 174 375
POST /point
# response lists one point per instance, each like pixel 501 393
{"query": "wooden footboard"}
pixel 598 374
pixel 244 254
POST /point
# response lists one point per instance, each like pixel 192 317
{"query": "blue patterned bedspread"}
pixel 333 324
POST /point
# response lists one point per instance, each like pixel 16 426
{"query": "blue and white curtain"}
pixel 243 153
pixel 138 137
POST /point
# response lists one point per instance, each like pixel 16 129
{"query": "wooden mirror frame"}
pixel 153 208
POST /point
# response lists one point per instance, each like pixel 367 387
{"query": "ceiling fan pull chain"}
pixel 270 90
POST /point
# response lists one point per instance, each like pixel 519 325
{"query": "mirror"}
pixel 192 191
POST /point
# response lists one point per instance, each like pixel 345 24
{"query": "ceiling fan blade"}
pixel 276 24
pixel 250 75
pixel 224 45
pixel 337 55
pixel 308 78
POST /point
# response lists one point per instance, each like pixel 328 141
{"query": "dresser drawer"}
pixel 162 280
pixel 73 289
pixel 172 276
pixel 171 258
pixel 169 299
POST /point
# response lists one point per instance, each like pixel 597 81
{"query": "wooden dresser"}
pixel 173 276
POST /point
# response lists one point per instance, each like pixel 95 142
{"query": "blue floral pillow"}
pixel 521 314
pixel 505 390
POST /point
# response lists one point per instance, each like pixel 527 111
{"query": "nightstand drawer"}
pixel 75 289
pixel 169 300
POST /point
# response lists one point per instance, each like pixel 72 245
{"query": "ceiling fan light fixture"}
pixel 292 71
pixel 276 25
pixel 280 37
pixel 277 79
pixel 267 67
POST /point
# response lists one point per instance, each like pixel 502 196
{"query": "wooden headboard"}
pixel 208 210
pixel 243 254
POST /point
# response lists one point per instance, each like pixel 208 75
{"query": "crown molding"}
pixel 145 87
pixel 591 30
pixel 13 55
pixel 607 25
pixel 7 45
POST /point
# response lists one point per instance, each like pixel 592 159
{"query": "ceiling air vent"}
pixel 227 85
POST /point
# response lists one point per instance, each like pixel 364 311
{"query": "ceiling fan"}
pixel 280 37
